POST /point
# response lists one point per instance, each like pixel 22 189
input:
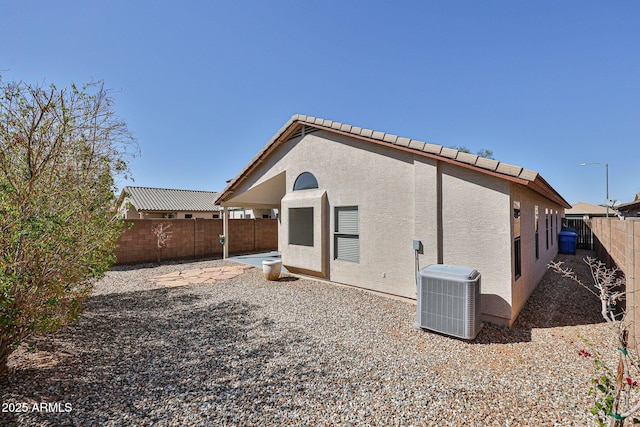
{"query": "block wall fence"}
pixel 194 239
pixel 617 243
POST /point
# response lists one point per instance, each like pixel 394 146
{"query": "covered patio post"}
pixel 225 232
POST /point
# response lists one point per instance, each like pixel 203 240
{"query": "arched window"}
pixel 305 181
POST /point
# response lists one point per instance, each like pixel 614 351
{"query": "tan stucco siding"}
pixel 462 217
pixel 312 258
pixel 270 169
pixel 126 210
pixel 131 213
pixel 476 233
pixel 378 180
pixel 426 228
pixel 533 269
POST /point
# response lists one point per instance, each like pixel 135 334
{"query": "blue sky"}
pixel 205 84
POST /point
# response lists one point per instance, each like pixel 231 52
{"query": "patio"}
pixel 256 259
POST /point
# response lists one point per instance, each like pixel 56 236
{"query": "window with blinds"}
pixel 347 234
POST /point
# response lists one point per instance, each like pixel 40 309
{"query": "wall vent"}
pixel 299 132
pixel 449 300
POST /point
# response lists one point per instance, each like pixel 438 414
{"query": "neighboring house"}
pixel 329 180
pixel 241 213
pixel 153 203
pixel 579 218
pixel 583 210
pixel 150 203
pixel 631 209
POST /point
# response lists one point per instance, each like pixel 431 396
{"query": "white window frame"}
pixel 346 235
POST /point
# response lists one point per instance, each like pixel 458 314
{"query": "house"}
pixel 242 213
pixel 153 203
pixel 583 210
pixel 631 209
pixel 329 179
pixel 579 216
pixel 150 203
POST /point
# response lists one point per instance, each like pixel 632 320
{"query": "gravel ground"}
pixel 245 351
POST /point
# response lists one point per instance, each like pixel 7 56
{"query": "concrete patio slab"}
pixel 199 276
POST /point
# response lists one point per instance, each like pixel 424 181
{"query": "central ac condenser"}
pixel 449 300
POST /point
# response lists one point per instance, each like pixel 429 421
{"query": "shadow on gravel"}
pixel 134 358
pixel 129 267
pixel 556 302
pixel 288 279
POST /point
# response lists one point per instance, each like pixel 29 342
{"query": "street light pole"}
pixel 606 167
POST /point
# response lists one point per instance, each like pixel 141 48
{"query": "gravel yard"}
pixel 245 351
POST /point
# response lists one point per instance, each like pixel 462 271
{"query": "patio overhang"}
pixel 265 195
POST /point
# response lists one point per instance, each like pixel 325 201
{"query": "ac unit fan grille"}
pixel 449 306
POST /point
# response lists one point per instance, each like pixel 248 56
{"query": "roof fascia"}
pixel 424 154
pixel 538 185
pixel 542 187
pixel 283 135
pixel 628 205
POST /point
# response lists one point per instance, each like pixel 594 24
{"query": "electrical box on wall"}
pixel 417 245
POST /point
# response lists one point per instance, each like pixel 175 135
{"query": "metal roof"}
pixel 166 199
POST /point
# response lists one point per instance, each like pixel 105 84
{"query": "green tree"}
pixel 483 152
pixel 60 152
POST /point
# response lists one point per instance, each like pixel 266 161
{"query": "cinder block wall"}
pixel 617 244
pixel 194 239
pixel 266 234
pixel 241 235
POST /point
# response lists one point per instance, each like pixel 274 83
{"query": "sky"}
pixel 203 85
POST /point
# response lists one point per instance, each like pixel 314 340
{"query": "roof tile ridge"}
pixel 169 189
pixel 427 147
pixel 432 148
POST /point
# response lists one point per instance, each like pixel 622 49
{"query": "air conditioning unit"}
pixel 449 300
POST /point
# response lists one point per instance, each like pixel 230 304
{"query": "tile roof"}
pixel 165 199
pixel 583 208
pixel 630 205
pixel 521 174
pixel 472 159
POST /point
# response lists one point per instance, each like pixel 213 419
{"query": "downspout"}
pixel 439 219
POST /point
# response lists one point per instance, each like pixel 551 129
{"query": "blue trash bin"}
pixel 568 242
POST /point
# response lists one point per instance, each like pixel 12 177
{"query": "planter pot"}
pixel 271 269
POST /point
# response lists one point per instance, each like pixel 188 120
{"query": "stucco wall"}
pixel 426 224
pixel 350 172
pixel 379 181
pixel 476 233
pixel 312 258
pixel 462 217
pixel 533 269
pixel 353 173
